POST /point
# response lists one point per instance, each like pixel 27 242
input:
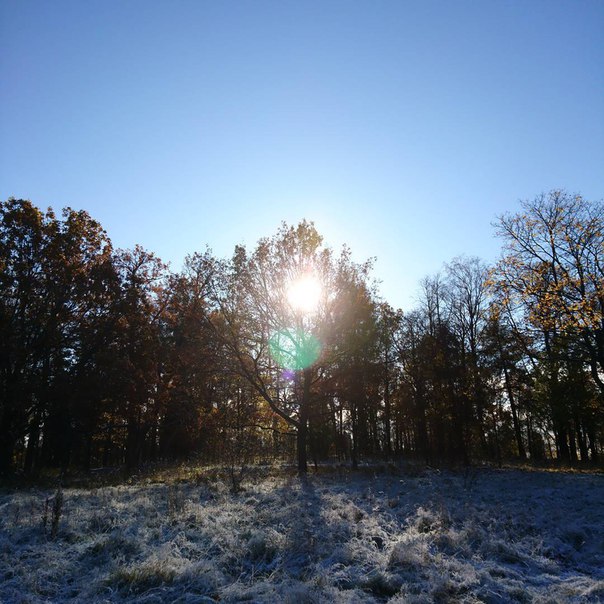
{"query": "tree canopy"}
pixel 286 350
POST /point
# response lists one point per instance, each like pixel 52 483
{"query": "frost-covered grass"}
pixel 507 536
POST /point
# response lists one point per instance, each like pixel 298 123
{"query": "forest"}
pixel 110 359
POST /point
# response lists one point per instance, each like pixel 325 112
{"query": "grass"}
pixel 382 534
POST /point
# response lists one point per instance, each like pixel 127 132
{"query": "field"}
pixel 377 535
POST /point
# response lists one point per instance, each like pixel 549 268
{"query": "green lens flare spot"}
pixel 294 348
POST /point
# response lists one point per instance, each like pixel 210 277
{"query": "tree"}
pixel 278 344
pixel 554 262
pixel 388 326
pixel 137 349
pixel 466 299
pixel 53 277
pixel 22 240
pixel 353 363
pixel 192 370
pixel 550 281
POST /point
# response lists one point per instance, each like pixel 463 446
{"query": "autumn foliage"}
pixel 108 358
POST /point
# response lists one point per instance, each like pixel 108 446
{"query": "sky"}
pixel 401 128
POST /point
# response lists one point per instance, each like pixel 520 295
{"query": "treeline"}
pixel 108 358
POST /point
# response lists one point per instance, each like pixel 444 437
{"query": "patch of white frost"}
pixel 510 536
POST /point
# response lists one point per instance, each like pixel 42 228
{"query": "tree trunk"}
pixel 562 444
pixel 303 427
pixel 132 453
pixel 512 399
pixel 387 426
pixel 422 445
pixel 583 445
pixel 301 446
pixel 572 444
pixel 354 451
pixel 593 444
pixel 7 447
pixel 32 444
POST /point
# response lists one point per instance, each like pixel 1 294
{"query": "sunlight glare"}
pixel 304 294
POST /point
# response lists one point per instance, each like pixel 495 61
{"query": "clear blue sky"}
pixel 400 128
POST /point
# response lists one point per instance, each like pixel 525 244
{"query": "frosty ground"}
pixel 340 536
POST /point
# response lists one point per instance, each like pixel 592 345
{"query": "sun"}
pixel 304 294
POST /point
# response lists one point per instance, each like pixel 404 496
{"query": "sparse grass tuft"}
pixel 382 584
pixel 53 508
pixel 57 510
pixel 176 501
pixel 136 579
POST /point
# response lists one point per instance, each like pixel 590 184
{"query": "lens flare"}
pixel 294 349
